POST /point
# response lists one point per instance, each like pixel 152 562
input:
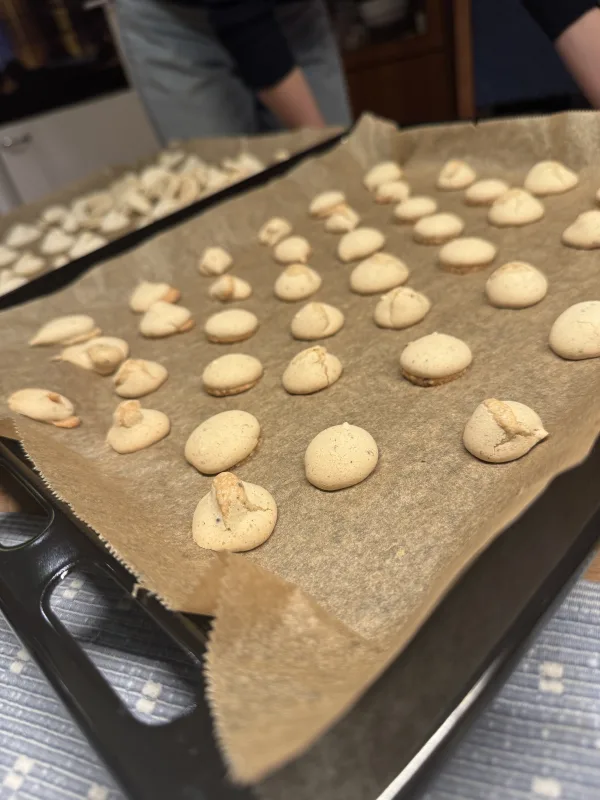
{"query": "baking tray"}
pixel 405 722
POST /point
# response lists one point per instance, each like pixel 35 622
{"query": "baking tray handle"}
pixel 177 760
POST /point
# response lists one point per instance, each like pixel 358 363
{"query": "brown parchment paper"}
pixel 306 622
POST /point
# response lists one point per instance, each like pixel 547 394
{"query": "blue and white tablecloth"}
pixel 539 739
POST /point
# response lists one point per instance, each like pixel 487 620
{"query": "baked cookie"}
pixel 326 204
pixel 297 282
pixel 584 233
pixel 311 370
pixel 233 325
pixel 360 243
pixel 317 321
pixel 378 273
pixel 229 288
pixel 438 228
pixel 515 208
pixel 165 319
pixel 343 220
pixel 392 192
pixel 222 441
pixel 340 456
pixel 550 177
pixel 138 377
pixel 293 250
pixel 135 428
pixel 575 334
pixel 401 308
pixel 483 193
pixel 231 374
pixel 414 208
pixel 435 359
pixel 147 293
pixel 516 285
pixel 70 329
pixel 455 174
pixel 214 261
pixel 467 254
pixel 274 230
pixel 234 516
pixel 102 354
pixel 502 430
pixel 44 406
pixel 384 172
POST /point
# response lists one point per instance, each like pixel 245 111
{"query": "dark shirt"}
pixel 249 30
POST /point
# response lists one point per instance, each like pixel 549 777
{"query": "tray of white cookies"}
pixel 122 205
pixel 267 425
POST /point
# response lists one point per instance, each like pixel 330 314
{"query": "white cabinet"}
pixel 42 154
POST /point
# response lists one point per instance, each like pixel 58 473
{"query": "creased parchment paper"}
pixel 304 623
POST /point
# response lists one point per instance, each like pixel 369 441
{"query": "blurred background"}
pixel 66 106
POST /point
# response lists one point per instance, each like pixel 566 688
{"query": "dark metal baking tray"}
pixel 404 723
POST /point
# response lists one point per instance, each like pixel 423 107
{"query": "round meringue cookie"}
pixel 21 235
pixel 392 192
pixel 401 308
pixel 317 321
pixel 515 208
pixel 378 273
pixel 326 203
pixel 384 172
pixel 412 209
pixel 550 177
pixel 455 174
pixel 484 192
pixel 229 288
pixel 340 456
pixel 28 265
pixel 467 254
pixel 360 243
pixel 502 430
pixel 231 374
pixel 435 359
pixel 56 241
pixel 297 282
pixel 516 285
pixel 7 255
pixel 222 441
pixel 575 335
pixel 235 516
pixel 311 370
pixel 293 250
pixel 584 233
pixel 233 325
pixel 438 228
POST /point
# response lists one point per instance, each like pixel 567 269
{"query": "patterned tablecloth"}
pixel 539 739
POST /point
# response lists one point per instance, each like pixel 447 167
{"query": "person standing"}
pixel 231 67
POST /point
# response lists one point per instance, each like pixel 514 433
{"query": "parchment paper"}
pixel 305 623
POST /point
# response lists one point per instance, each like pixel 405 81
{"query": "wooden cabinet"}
pixel 417 77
